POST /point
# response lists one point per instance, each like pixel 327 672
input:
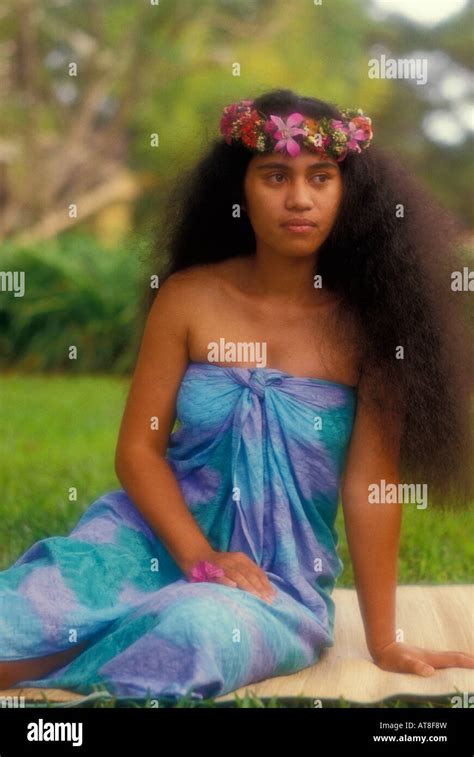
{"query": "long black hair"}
pixel 390 257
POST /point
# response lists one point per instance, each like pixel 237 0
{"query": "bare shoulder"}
pixel 200 284
pixel 190 300
pixel 180 291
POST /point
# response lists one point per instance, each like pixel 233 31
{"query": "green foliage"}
pixel 57 432
pixel 175 71
pixel 76 293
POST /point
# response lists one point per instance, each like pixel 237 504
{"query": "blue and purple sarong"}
pixel 258 455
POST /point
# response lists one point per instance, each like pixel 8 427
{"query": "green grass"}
pixel 57 432
pixel 102 700
pixel 60 432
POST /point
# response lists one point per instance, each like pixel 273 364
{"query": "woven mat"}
pixel 432 617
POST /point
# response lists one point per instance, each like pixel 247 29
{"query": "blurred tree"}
pixel 166 68
pixel 72 75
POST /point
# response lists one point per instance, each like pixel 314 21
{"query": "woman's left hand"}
pixel 401 658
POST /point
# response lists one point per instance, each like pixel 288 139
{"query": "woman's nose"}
pixel 299 194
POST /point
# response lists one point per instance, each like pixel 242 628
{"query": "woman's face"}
pixel 278 188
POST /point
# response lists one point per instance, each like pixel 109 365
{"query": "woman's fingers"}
pixel 268 587
pixel 252 573
pixel 265 585
pixel 407 664
pixel 254 570
pixel 241 572
pixel 254 585
pixel 400 658
pixel 249 583
pixel 421 668
pixel 450 659
pixel 226 581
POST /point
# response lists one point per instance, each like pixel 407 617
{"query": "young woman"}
pixel 306 337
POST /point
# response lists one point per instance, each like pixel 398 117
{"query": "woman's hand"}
pixel 401 658
pixel 239 571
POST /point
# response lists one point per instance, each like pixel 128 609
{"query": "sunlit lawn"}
pixel 60 433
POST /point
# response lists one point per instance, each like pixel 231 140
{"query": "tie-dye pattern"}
pixel 258 456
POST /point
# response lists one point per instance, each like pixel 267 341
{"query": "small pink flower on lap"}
pixel 206 571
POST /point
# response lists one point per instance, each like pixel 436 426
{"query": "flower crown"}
pixel 329 136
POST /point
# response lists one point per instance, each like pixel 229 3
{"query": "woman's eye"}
pixel 318 176
pixel 272 176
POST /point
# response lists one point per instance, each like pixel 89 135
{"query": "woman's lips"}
pixel 299 228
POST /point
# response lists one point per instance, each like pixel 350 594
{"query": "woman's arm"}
pixel 373 530
pixel 373 535
pixel 140 462
pixel 150 413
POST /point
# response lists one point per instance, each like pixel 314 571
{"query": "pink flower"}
pixel 336 124
pixel 356 134
pixel 286 131
pixel 358 129
pixel 206 571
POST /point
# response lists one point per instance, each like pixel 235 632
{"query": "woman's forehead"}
pixel 305 159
